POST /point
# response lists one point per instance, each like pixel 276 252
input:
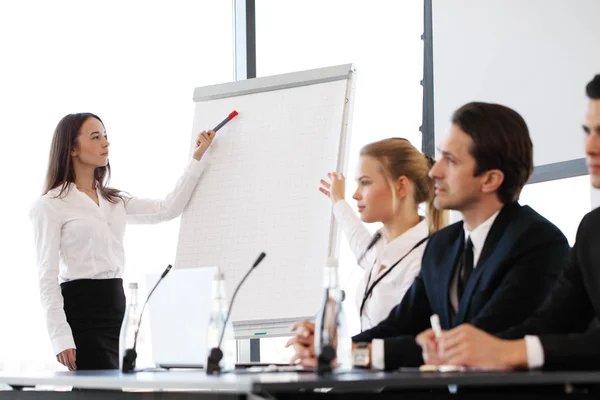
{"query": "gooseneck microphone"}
pixel 216 354
pixel 130 355
pixel 372 243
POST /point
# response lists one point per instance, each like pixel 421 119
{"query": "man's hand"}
pixel 472 347
pixel 429 345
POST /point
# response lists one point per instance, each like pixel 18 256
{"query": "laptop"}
pixel 179 313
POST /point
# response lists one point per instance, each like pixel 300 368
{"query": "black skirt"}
pixel 95 310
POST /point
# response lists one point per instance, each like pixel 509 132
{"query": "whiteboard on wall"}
pixel 260 192
pixel 534 56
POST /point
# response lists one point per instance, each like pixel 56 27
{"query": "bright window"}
pixel 383 40
pixel 563 202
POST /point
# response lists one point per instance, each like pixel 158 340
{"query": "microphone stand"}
pixel 216 354
pixel 372 243
pixel 130 355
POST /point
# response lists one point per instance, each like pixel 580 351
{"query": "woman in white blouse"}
pixel 393 180
pixel 79 223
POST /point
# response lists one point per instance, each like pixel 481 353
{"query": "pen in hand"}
pixel 437 331
pixel 435 325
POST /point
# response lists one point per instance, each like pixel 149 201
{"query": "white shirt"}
pixel 77 239
pixel 535 352
pixel 390 290
pixel 478 237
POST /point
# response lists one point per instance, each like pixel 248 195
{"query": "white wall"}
pixel 532 55
pixel 135 64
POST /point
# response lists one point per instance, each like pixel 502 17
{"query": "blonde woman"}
pixel 392 181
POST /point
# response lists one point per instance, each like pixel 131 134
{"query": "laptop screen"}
pixel 179 313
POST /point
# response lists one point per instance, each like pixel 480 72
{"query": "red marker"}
pixel 226 120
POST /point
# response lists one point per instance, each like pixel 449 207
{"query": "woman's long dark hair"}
pixel 60 164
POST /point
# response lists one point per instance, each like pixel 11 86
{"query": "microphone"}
pixel 372 243
pixel 375 239
pixel 130 355
pixel 216 355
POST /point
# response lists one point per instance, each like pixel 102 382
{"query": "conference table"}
pixel 275 385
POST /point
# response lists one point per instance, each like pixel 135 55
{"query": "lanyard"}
pixel 369 290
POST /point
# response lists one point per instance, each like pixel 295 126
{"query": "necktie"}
pixel 466 267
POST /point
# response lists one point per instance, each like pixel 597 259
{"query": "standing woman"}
pixel 79 224
pixel 393 181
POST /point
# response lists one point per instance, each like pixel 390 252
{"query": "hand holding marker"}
pixel 231 116
pixel 204 140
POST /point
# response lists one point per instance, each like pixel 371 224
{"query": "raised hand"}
pixel 203 141
pixel 334 190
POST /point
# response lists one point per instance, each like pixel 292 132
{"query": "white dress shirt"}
pixel 390 290
pixel 478 237
pixel 75 238
pixel 535 352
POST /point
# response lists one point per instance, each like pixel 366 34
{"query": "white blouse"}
pixel 77 239
pixel 389 292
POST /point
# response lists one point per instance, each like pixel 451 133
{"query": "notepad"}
pixel 442 368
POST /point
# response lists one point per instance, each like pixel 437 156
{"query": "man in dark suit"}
pixel 561 334
pixel 494 268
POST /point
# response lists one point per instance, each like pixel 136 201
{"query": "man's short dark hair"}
pixel 500 141
pixel 593 88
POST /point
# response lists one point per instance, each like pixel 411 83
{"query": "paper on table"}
pixel 442 368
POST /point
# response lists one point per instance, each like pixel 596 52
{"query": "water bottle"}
pixel 216 326
pixel 129 324
pixel 332 343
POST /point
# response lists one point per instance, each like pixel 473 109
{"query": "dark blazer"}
pixel 563 322
pixel 519 263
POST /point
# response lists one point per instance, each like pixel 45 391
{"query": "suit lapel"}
pixel 447 272
pixel 497 230
pixel 492 241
